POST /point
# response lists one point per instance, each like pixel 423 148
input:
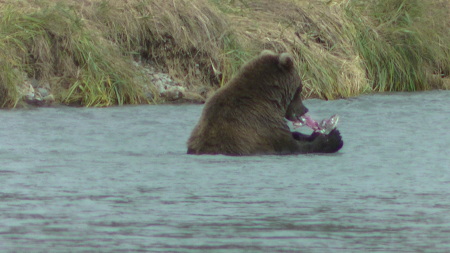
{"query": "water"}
pixel 118 180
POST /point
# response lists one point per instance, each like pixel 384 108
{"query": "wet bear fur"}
pixel 247 115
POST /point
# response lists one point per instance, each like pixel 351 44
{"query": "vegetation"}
pixel 84 51
pixel 407 47
pixel 55 45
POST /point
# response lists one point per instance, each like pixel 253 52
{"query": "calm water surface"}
pixel 118 180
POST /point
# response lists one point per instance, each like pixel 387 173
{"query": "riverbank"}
pixel 103 53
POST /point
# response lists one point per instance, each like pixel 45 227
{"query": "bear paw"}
pixel 326 143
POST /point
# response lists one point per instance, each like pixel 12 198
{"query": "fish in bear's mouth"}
pixel 324 127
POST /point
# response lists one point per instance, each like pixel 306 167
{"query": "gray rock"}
pixel 44 92
pixel 34 83
pixel 49 99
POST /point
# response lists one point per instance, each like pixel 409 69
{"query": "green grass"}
pixel 403 46
pixel 9 95
pixel 15 35
pixel 85 52
pixel 234 56
pixel 54 44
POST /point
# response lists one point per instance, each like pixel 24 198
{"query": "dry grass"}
pixel 405 44
pixel 314 33
pixel 345 48
pixel 185 38
pixel 85 49
pixel 53 44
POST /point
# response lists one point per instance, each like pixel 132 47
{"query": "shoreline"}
pixel 98 53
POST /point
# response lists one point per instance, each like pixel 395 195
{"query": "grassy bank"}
pixel 83 51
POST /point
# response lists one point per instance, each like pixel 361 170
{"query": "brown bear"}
pixel 247 115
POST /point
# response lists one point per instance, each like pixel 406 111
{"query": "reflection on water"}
pixel 118 179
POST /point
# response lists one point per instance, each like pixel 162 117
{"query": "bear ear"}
pixel 286 61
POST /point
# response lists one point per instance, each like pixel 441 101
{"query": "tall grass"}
pixel 345 48
pixel 13 46
pixel 403 43
pixel 53 44
pixel 234 56
pixel 85 49
pixel 9 95
pixel 187 39
pixel 315 34
pixel 330 64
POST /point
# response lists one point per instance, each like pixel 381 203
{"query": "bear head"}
pixel 275 78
